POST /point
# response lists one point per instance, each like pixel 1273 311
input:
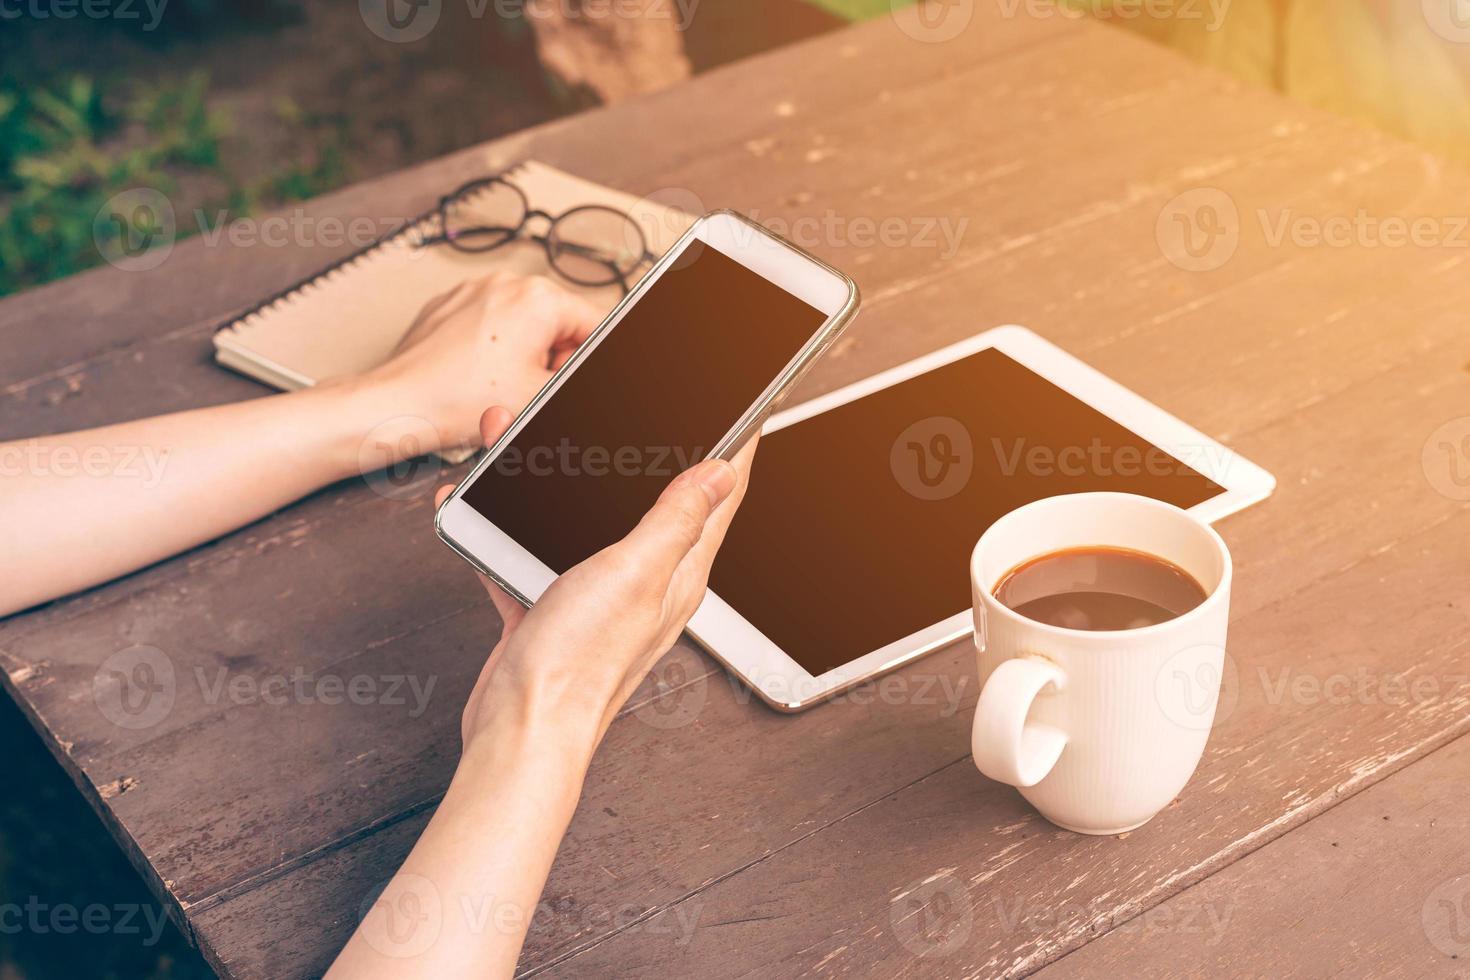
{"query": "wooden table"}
pixel 1325 829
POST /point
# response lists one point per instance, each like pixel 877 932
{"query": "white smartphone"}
pixel 692 361
pixel 850 554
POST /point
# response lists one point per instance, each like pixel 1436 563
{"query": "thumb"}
pixel 675 523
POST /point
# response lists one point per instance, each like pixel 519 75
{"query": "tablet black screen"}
pixel 859 523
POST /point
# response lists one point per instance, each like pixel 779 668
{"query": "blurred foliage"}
pixel 55 173
pixel 859 9
pixel 326 169
pixel 65 151
pixel 1379 61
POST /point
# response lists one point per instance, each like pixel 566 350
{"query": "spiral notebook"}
pixel 350 316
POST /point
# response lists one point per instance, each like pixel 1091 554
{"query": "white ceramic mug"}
pixel 1099 730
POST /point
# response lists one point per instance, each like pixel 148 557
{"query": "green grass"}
pixel 859 9
pixel 65 151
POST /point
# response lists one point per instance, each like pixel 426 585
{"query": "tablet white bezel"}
pixel 786 686
pixel 522 574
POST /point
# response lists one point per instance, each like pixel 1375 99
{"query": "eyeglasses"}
pixel 591 245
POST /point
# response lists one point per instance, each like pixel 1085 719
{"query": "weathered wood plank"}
pixel 1377 886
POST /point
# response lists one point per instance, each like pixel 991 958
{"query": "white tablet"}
pixel 850 554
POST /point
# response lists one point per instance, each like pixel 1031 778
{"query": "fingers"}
pixel 494 423
pixel 719 523
pixel 573 320
pixel 676 522
pixel 564 318
pixel 686 587
pixel 447 302
pixel 693 573
pixel 511 611
pixel 745 458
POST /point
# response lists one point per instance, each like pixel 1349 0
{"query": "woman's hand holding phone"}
pixel 735 320
pixel 542 703
pixel 596 632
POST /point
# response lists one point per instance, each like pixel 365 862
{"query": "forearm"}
pixel 84 507
pixel 463 900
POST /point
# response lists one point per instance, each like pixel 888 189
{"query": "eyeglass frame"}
pixel 515 234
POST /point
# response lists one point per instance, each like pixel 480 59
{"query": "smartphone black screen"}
pixel 652 399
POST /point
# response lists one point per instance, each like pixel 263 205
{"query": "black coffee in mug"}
pixel 1099 588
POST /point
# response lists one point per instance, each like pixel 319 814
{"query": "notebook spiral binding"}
pixel 416 227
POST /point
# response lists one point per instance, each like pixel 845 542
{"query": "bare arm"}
pixel 85 507
pixel 463 900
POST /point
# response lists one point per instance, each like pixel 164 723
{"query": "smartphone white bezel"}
pixel 786 686
pixel 521 573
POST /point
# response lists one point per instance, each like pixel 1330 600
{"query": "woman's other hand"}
pixel 493 340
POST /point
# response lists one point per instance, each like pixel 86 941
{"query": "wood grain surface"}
pixel 1378 886
pixel 715 836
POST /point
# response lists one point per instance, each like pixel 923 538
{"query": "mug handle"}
pixel 1005 746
